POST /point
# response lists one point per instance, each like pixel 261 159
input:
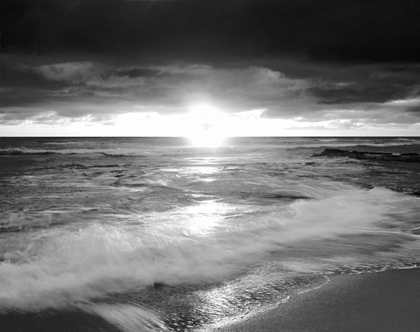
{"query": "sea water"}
pixel 156 234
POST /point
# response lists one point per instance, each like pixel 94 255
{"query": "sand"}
pixel 385 301
pixel 54 321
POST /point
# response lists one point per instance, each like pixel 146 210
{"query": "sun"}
pixel 205 126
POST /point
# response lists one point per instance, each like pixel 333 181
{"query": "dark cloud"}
pixel 360 92
pixel 171 88
pixel 357 60
pixel 235 89
pixel 415 110
pixel 137 72
pixel 216 30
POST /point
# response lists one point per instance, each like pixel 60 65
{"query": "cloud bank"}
pixel 337 66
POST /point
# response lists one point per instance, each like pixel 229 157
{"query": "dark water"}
pixel 154 234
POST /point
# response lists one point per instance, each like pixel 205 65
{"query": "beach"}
pixel 158 234
pixel 198 165
pixel 383 301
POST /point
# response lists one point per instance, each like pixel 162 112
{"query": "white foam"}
pixel 128 317
pixel 205 242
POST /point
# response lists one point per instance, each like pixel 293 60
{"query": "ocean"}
pixel 156 234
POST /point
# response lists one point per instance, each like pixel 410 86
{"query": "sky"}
pixel 230 67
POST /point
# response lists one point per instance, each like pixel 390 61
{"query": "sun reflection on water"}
pixel 205 217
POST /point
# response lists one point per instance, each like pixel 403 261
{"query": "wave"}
pixel 127 272
pixel 326 139
pixel 407 139
pixel 114 155
pixel 379 156
pixel 210 243
pixel 349 144
pixel 21 151
pixel 25 151
pixel 128 317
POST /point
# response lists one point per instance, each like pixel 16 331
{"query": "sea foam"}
pixel 204 243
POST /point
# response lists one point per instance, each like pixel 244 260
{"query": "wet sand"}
pixel 385 301
pixel 54 321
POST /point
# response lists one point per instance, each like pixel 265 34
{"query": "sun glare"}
pixel 205 126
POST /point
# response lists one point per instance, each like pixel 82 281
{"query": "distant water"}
pixel 154 234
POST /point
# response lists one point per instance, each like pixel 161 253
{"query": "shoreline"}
pixel 382 301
